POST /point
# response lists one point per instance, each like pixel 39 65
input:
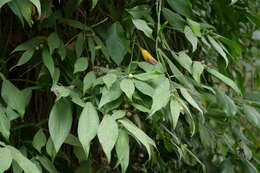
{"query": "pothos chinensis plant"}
pixel 129 86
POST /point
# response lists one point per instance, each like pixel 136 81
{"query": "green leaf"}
pixel 148 76
pixel 144 88
pixel 248 167
pixel 88 81
pixel 197 69
pixel 28 44
pixel 54 42
pixel 143 26
pixel 107 135
pixel 161 96
pixel 191 37
pixel 91 47
pixel 226 104
pixel 22 161
pixel 218 48
pixel 2 3
pixel 252 115
pixel 189 99
pixel 128 87
pixel 48 61
pixel 174 19
pixel 50 148
pixel 13 97
pixel 181 7
pixel 109 95
pixel 116 43
pixel 88 126
pixel 109 79
pixel 39 140
pixel 175 111
pixel 205 137
pixel 195 27
pixel 94 3
pixel 26 56
pixel 123 150
pixel 80 65
pixel 37 4
pixel 139 135
pixel 224 79
pixel 5 159
pixel 185 61
pixel 26 10
pixel 47 164
pixel 4 125
pixel 79 44
pixel 118 114
pixel 60 122
pixel 227 167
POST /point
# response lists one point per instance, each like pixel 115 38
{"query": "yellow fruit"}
pixel 148 57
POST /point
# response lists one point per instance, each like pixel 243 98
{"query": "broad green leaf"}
pixel 104 49
pixel 248 167
pixel 175 111
pixel 75 24
pixel 60 122
pixel 143 26
pixel 80 65
pixel 128 87
pixel 139 135
pixel 54 42
pixel 197 69
pixel 88 126
pixel 39 140
pixel 123 150
pixel 174 19
pixel 72 140
pixel 118 114
pixel 25 7
pixel 48 61
pixel 4 124
pixel 233 2
pixel 227 167
pixel 205 137
pixel 26 56
pixel 16 10
pixel 60 91
pixel 144 88
pixel 116 43
pixel 141 108
pixel 28 44
pixel 92 50
pixel 88 81
pixel 2 3
pixel 185 61
pixel 47 164
pixel 182 7
pixel 161 96
pixel 107 135
pixel 13 97
pixel 226 104
pixel 94 3
pixel 50 148
pixel 252 115
pixel 109 95
pixel 218 48
pixel 5 159
pixel 109 79
pixel 37 4
pixel 62 51
pixel 190 100
pixel 27 165
pixel 195 27
pixel 191 37
pixel 224 79
pixel 79 44
pixel 148 76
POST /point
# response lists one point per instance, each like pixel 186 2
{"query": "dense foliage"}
pixel 130 86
